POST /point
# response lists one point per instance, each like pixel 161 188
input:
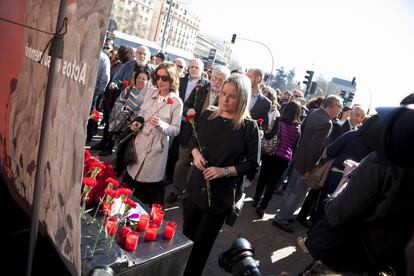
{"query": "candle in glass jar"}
pixel 169 229
pixel 151 233
pixel 143 222
pixel 111 225
pixel 122 235
pixel 158 217
pixel 155 207
pixel 131 241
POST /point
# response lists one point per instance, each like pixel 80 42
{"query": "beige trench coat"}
pixel 151 143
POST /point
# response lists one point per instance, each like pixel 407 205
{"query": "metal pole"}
pixel 39 179
pixel 261 43
pixel 167 20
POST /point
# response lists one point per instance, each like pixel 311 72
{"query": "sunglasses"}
pixel 180 66
pixel 163 78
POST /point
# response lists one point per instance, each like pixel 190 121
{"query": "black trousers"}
pixel 147 192
pixel 172 159
pixel 202 228
pixel 271 170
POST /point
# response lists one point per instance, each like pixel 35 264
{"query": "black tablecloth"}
pixel 160 257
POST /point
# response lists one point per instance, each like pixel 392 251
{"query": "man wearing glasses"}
pixel 181 66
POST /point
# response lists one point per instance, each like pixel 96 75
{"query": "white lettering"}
pixel 82 77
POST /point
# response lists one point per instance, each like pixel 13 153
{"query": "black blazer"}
pixel 183 86
pixel 195 100
pixel 338 129
pixel 261 110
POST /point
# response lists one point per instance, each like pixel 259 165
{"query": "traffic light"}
pixel 342 94
pixel 313 87
pixel 351 97
pixel 233 38
pixel 308 80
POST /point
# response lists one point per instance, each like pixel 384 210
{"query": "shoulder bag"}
pixel 269 145
pixel 237 205
pixel 318 174
pixel 120 114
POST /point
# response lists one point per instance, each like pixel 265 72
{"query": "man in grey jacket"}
pixel 314 139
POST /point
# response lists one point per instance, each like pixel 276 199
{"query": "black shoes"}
pixel 304 222
pixel 98 146
pixel 106 152
pixel 285 226
pixel 255 203
pixel 172 198
pixel 260 212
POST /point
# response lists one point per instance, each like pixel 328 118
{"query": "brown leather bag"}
pixel 317 176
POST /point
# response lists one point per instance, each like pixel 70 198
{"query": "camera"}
pixel 392 135
pixel 238 260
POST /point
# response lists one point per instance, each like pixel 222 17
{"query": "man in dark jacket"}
pixel 314 139
pixel 187 85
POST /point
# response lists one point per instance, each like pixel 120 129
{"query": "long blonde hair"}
pixel 243 88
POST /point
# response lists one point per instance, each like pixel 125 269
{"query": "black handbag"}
pixel 130 155
pixel 235 211
pixel 126 151
pixel 237 205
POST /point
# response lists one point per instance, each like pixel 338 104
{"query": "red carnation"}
pixel 130 202
pixel 189 118
pixel 113 182
pixel 94 115
pixel 90 182
pixel 125 83
pixel 260 121
pixel 170 101
pixel 125 192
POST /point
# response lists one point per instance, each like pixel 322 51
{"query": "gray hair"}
pixel 200 63
pixel 331 100
pixel 221 70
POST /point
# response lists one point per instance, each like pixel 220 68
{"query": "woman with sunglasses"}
pixel 158 119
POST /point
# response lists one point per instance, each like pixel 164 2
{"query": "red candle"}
pixel 131 241
pixel 143 222
pixel 110 225
pixel 158 217
pixel 169 229
pixel 122 235
pixel 155 207
pixel 151 233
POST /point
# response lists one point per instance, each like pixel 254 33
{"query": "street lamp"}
pixel 233 40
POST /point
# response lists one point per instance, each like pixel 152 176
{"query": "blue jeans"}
pixel 293 198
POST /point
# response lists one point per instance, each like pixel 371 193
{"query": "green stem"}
pixel 99 234
pixel 97 209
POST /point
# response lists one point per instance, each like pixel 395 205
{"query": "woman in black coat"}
pixel 225 151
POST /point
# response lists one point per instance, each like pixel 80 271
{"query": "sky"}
pixel 372 40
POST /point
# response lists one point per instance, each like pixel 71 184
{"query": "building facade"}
pixel 174 25
pixel 171 26
pixel 133 17
pixel 212 50
pixel 344 88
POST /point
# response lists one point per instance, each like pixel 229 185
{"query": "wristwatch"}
pixel 226 171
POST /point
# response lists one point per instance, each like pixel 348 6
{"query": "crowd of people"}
pixel 201 131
